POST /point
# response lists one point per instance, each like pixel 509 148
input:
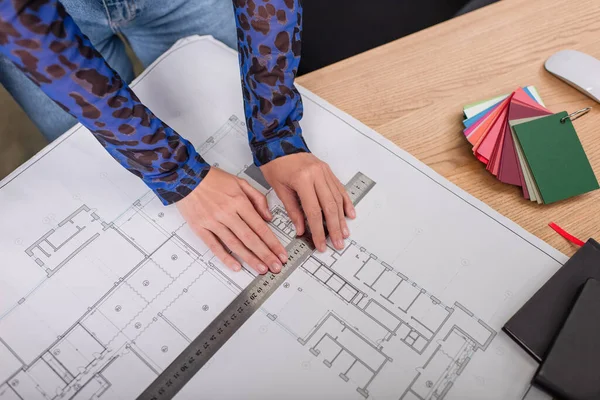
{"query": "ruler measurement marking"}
pixel 216 334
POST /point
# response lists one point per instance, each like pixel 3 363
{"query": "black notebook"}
pixel 536 324
pixel 571 369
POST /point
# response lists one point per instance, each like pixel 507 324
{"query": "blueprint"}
pixel 101 286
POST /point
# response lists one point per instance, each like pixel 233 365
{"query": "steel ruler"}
pixel 216 334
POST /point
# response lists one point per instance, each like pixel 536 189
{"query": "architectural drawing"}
pixel 137 315
pixel 64 242
pixel 131 272
pixel 101 286
pixel 373 315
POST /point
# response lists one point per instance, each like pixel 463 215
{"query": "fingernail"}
pixel 276 268
pixel 339 244
pixel 262 269
pixel 283 258
pixel 322 248
pixel 352 214
pixel 237 267
pixel 346 232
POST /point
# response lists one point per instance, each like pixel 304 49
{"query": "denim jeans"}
pixel 150 26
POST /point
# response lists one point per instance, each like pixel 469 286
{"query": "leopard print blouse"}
pixel 44 42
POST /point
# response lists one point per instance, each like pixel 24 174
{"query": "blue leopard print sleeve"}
pixel 269 33
pixel 44 42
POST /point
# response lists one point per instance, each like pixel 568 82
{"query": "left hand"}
pixel 304 177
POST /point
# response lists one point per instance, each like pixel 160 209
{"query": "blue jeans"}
pixel 150 26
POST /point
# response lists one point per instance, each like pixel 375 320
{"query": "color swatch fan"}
pixel 523 143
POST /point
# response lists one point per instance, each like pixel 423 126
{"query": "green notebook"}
pixel 556 158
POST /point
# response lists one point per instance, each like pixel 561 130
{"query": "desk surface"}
pixel 412 92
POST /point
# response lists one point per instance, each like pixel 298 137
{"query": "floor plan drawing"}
pixel 373 315
pixel 135 311
pixel 101 286
pixel 130 274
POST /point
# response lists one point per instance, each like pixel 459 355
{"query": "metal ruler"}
pixel 216 334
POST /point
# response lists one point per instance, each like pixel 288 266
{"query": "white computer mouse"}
pixel 578 69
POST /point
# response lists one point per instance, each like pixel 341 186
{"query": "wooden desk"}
pixel 412 91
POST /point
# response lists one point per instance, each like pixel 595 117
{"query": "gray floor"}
pixel 19 138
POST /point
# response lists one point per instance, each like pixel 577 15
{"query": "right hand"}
pixel 225 209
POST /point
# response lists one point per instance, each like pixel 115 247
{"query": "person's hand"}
pixel 226 209
pixel 304 177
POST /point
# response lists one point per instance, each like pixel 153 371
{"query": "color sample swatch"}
pixel 523 143
pixel 555 157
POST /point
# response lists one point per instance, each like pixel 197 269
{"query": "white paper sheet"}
pixel 101 287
